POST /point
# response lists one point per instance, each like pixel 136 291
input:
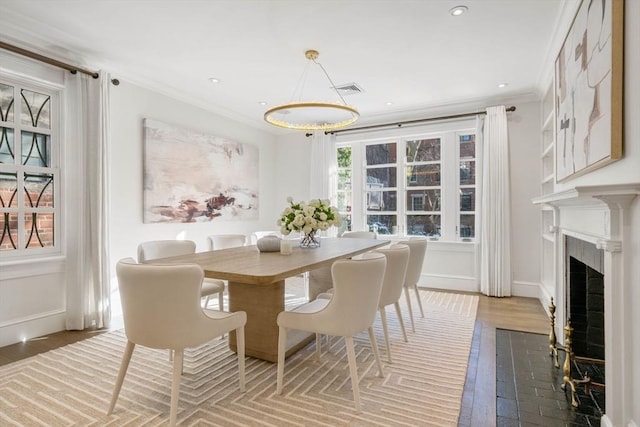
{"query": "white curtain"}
pixel 323 179
pixel 87 136
pixel 495 209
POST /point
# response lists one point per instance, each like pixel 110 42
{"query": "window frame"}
pixel 450 161
pixel 54 169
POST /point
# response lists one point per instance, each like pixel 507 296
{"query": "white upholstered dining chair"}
pixel 417 251
pixel 394 275
pixel 161 309
pixel 166 248
pixel 357 283
pixel 360 234
pixel 224 241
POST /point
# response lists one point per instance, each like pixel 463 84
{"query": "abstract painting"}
pixel 194 177
pixel 588 90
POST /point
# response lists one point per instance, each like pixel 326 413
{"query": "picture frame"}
pixel 589 90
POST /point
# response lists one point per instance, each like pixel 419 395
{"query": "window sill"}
pixel 19 268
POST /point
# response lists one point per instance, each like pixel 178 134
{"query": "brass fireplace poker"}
pixel 570 357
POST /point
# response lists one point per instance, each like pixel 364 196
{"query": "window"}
pixel 28 169
pixel 416 185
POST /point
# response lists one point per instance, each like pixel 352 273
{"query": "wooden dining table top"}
pixel 246 264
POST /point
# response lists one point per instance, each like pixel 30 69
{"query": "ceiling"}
pixel 407 56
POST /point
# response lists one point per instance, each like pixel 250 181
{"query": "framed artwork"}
pixel 588 90
pixel 194 177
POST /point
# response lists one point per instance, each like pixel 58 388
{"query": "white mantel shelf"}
pixel 587 194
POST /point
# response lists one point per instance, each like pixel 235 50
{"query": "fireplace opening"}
pixel 586 309
pixel 586 301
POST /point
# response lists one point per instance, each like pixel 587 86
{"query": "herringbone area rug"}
pixel 72 385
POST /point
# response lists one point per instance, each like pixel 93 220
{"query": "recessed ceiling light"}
pixel 501 85
pixel 214 80
pixel 389 103
pixel 458 10
pixel 263 103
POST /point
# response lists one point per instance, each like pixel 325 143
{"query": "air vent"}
pixel 349 89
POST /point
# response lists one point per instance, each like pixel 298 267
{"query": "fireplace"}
pixel 595 260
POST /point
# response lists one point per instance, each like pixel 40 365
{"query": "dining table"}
pixel 256 285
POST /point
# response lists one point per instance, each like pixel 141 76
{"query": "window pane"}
pixel 8 231
pixel 467 199
pixel 344 157
pixel 467 226
pixel 38 190
pixel 381 200
pixel 36 149
pixel 344 202
pixel 423 225
pixel 467 173
pixel 467 146
pixel 344 179
pixel 381 154
pixel 8 190
pixel 6 103
pixel 423 175
pixel 381 224
pixel 38 230
pixel 423 200
pixel 7 147
pixel 423 150
pixel 381 177
pixel 35 109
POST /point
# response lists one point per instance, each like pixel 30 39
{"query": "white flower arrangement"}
pixel 308 217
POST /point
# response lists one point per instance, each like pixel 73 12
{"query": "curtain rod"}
pixel 47 60
pixel 408 122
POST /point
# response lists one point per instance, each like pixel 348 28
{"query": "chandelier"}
pixel 313 115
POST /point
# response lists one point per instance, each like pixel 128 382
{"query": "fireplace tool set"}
pixel 569 358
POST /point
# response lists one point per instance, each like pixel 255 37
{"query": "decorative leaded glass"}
pixel 38 190
pixel 35 109
pixel 7 147
pixel 6 103
pixel 36 149
pixel 38 228
pixel 8 231
pixel 8 189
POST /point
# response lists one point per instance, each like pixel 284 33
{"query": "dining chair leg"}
pixel 124 365
pixel 282 346
pixel 408 297
pixel 221 301
pixel 319 345
pixel 383 320
pixel 376 352
pixel 399 313
pixel 206 301
pixel 175 386
pixel 415 287
pixel 240 350
pixel 353 370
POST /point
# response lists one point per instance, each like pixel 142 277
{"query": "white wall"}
pixel 130 104
pixel 524 157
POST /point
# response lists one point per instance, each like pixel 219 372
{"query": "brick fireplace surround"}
pixel 600 215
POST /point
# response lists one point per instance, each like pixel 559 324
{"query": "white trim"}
pixel 35 326
pixel 449 282
pixel 32 267
pixel 525 289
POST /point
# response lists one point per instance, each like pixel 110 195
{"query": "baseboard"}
pixel 447 282
pixel 525 289
pixel 27 328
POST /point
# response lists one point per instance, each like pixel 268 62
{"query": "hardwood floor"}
pixel 479 399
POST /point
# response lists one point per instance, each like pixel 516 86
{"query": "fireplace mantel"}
pixel 589 195
pixel 599 214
